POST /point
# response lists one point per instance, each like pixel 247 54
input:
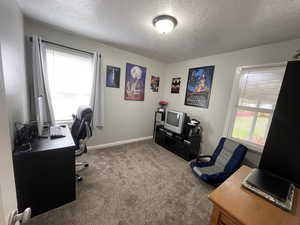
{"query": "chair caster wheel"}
pixel 86 165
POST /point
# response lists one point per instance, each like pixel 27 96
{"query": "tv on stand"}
pixel 176 137
pixel 175 121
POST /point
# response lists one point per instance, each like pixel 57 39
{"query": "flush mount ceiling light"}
pixel 164 23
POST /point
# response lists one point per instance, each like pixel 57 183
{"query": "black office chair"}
pixel 81 132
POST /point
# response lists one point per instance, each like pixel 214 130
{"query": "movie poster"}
pixel 154 83
pixel 175 86
pixel 113 76
pixel 199 86
pixel 135 82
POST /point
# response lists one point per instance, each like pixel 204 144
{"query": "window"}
pixel 70 80
pixel 255 103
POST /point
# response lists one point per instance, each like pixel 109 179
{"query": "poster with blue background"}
pixel 113 76
pixel 199 86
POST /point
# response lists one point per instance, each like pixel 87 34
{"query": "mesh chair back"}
pixel 84 116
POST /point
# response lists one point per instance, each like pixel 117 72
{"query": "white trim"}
pixel 255 109
pixel 233 104
pixel 117 143
pixel 248 144
pixel 280 64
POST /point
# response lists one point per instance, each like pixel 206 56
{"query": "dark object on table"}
pixel 270 184
pixel 25 133
pixel 194 127
pixel 81 132
pixel 274 189
pixel 45 176
pixel 226 159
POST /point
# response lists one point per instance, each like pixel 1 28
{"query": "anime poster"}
pixel 113 76
pixel 135 82
pixel 154 83
pixel 199 86
pixel 175 86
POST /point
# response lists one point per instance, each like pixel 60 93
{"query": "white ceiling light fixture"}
pixel 164 23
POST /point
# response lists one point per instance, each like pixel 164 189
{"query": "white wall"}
pixel 7 182
pixel 128 119
pixel 123 119
pixel 12 40
pixel 213 118
pixel 13 95
pixel 2 219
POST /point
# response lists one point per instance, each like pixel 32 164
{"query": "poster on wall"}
pixel 154 83
pixel 175 86
pixel 135 82
pixel 199 86
pixel 113 76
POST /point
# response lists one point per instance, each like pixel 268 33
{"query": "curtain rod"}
pixel 64 46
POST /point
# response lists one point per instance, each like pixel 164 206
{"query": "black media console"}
pixel 185 146
pixel 45 176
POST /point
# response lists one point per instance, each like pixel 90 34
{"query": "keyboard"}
pixel 56 132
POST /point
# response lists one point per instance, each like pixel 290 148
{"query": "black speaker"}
pixel 281 154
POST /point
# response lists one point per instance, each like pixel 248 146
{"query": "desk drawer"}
pixel 225 220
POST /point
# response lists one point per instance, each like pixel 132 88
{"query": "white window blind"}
pixel 257 95
pixel 70 79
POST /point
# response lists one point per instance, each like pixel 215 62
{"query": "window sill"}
pixel 253 147
pixel 66 122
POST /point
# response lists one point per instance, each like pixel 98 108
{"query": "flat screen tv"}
pixel 281 155
pixel 174 121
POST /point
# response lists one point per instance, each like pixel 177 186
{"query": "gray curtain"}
pixel 97 97
pixel 38 80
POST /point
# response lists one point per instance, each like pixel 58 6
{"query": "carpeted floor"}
pixel 134 184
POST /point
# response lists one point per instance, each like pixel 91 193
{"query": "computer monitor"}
pixel 281 155
pixel 174 121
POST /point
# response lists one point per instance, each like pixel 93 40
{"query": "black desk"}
pixel 45 176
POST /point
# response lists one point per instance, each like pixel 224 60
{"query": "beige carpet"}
pixel 134 184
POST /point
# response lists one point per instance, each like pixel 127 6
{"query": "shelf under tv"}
pixel 184 146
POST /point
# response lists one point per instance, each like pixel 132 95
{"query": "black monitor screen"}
pixel 173 119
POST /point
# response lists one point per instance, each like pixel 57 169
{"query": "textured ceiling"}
pixel 205 27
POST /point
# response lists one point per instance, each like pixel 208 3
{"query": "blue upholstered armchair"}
pixel 226 159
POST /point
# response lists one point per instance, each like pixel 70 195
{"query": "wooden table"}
pixel 235 205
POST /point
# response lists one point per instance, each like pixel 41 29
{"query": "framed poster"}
pixel 175 86
pixel 135 82
pixel 113 76
pixel 199 86
pixel 154 83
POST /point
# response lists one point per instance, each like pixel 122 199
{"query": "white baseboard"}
pixel 117 143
